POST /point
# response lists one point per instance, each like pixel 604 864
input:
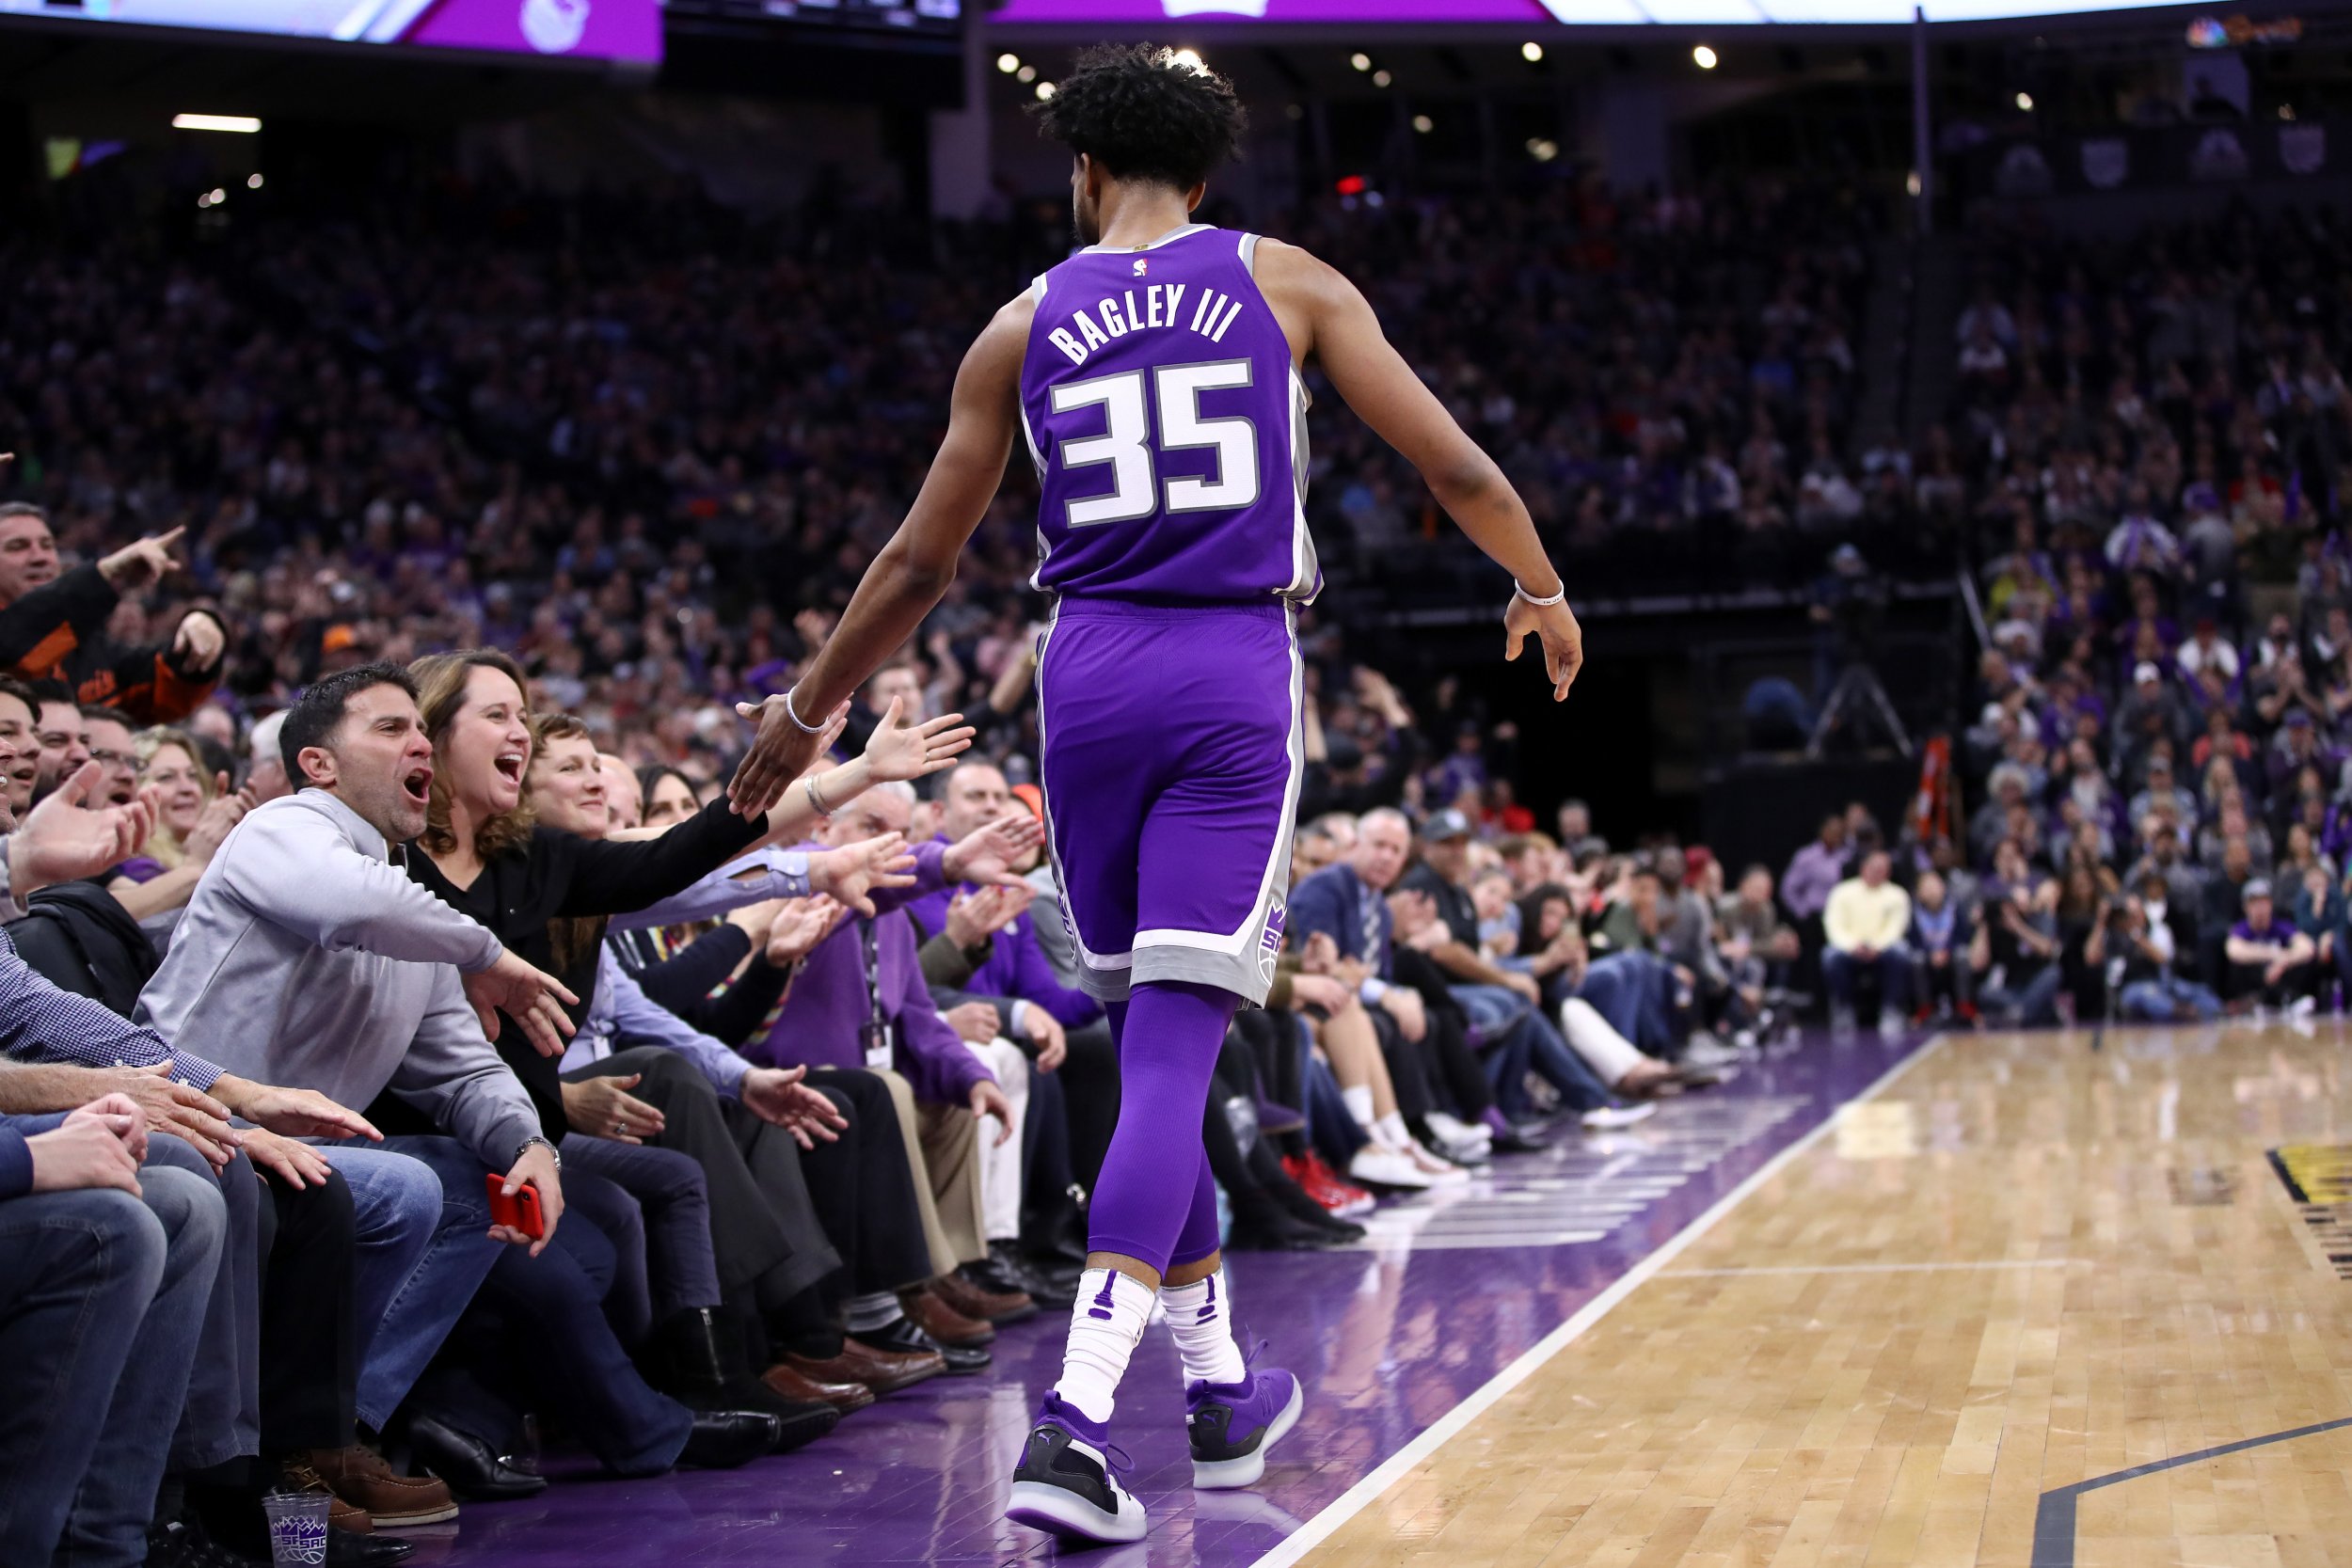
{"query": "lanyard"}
pixel 877 1035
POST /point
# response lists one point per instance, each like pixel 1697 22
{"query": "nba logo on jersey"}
pixel 1270 945
pixel 1143 267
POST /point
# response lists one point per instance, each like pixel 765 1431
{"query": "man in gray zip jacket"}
pixel 308 957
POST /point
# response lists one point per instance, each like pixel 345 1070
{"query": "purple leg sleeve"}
pixel 1199 1237
pixel 1169 1035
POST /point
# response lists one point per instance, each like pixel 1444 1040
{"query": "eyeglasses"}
pixel 110 759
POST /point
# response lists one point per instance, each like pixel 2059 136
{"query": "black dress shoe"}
pixel 181 1543
pixel 349 1549
pixel 1269 1228
pixel 723 1439
pixel 1005 1271
pixel 1519 1140
pixel 903 1336
pixel 467 1464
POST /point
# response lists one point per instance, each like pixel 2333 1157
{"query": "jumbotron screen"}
pixel 585 29
pixel 1532 13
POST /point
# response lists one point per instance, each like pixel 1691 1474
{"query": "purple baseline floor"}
pixel 1387 1338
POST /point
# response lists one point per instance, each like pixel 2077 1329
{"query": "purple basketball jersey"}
pixel 1168 427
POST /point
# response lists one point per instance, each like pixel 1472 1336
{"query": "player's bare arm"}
pixel 1327 318
pixel 911 572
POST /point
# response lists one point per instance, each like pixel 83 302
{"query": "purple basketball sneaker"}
pixel 1232 1425
pixel 1066 1483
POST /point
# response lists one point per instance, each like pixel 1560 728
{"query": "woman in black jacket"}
pixel 546 892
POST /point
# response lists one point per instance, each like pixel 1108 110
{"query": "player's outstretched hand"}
pixel 1555 627
pixel 781 751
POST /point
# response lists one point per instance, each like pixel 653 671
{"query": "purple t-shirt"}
pixel 2281 930
pixel 1168 426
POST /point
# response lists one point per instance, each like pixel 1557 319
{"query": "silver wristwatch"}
pixel 553 1153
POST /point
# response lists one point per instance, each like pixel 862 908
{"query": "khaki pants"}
pixel 944 1149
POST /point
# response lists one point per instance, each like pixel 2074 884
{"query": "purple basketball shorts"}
pixel 1171 755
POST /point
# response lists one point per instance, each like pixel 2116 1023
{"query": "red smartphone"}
pixel 519 1212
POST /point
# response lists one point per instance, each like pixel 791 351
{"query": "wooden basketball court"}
pixel 2004 1309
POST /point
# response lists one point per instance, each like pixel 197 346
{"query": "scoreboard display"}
pixel 586 29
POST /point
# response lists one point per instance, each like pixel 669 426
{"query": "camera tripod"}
pixel 1857 695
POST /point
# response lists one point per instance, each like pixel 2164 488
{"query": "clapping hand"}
pixel 987 855
pixel 801 924
pixel 848 874
pixel 974 917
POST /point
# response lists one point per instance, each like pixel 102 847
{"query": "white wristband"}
pixel 819 729
pixel 1561 597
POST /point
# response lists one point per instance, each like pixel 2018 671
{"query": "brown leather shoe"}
pixel 991 1306
pixel 934 1315
pixel 883 1371
pixel 790 1383
pixel 359 1476
pixel 295 1476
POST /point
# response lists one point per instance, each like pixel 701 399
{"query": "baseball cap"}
pixel 1446 824
pixel 2297 719
pixel 2256 887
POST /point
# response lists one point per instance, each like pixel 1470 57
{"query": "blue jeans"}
pixel 551 1305
pixel 660 1228
pixel 2161 1000
pixel 1528 1042
pixel 221 1418
pixel 1840 971
pixel 101 1301
pixel 424 1247
pixel 2033 998
pixel 1633 991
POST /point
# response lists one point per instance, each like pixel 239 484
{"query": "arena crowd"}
pixel 692 1137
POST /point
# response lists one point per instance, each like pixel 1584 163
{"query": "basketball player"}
pixel 1153 377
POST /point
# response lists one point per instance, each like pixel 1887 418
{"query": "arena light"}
pixel 1424 124
pixel 1531 51
pixel 1008 63
pixel 1044 92
pixel 2024 102
pixel 243 125
pixel 1704 57
pixel 1360 60
pixel 1381 78
pixel 253 182
pixel 1028 74
pixel 1542 149
pixel 1190 59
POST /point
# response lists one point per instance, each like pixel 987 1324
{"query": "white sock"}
pixel 1105 1323
pixel 1200 1315
pixel 1391 1133
pixel 1358 1103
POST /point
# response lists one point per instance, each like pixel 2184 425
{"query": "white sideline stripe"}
pixel 1869 1268
pixel 1315 1531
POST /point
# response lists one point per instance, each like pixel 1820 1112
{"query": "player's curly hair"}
pixel 1144 114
